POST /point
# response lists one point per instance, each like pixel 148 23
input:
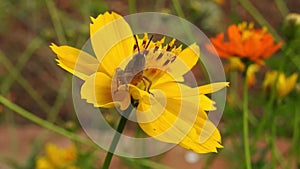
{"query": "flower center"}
pixel 248 31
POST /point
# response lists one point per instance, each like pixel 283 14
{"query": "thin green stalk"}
pixel 273 142
pixel 281 5
pixel 245 125
pixel 281 160
pixel 116 138
pixel 185 27
pixel 178 8
pixel 56 21
pixel 268 111
pixel 147 163
pixel 293 56
pixel 276 156
pixel 208 162
pixel 22 60
pixel 23 82
pixel 54 111
pixel 26 114
pixel 296 134
pixel 259 18
pixel 132 6
pixel 59 101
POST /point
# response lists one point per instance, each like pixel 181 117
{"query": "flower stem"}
pixel 282 7
pixel 178 8
pixel 273 142
pixel 245 124
pixel 296 134
pixel 132 6
pixel 53 11
pixel 116 138
pixel 28 115
pixel 179 11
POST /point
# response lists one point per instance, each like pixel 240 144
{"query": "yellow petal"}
pixel 55 155
pixel 175 89
pixel 211 88
pixel 77 62
pixel 269 80
pixel 235 63
pixel 291 81
pixel 203 138
pixel 185 61
pixel 250 74
pixel 97 90
pixel 176 124
pixel 43 163
pixel 166 127
pixel 112 40
pixel 175 62
pixel 159 78
pixel 286 85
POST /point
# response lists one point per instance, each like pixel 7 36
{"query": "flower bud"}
pixel 291 26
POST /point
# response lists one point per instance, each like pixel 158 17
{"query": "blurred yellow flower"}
pixel 250 74
pixel 284 84
pixel 57 158
pixel 155 90
pixel 234 64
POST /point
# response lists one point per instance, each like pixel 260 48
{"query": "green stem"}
pixel 23 82
pixel 116 138
pixel 296 134
pixel 24 113
pixel 8 81
pixel 56 21
pixel 186 29
pixel 245 124
pixel 293 56
pixel 132 6
pixel 276 157
pixel 259 18
pixel 145 163
pixel 273 142
pixel 281 5
pixel 178 8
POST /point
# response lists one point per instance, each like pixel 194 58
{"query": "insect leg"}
pixel 147 87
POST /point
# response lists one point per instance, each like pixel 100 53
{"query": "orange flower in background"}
pixel 244 41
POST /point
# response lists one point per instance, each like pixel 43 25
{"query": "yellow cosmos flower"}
pixel 284 84
pixel 154 89
pixel 57 158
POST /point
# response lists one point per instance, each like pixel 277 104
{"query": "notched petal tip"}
pixel 92 19
pixel 52 45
